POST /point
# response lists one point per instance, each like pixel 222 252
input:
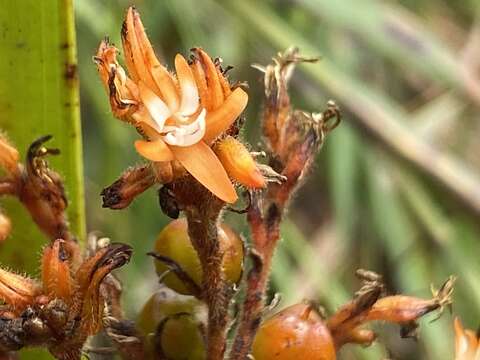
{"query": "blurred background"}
pixel 396 187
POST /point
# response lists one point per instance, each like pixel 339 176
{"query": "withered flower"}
pixel 467 346
pixel 370 304
pixel 62 309
pixel 38 187
pixel 179 115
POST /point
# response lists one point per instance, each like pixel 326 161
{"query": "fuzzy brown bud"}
pixel 131 183
pixel 8 156
pixel 16 290
pixel 56 277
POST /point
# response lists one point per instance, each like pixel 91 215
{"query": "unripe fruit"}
pixel 174 243
pixel 171 324
pixel 297 332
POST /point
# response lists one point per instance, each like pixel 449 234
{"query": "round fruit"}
pixel 174 243
pixel 180 338
pixel 297 332
pixel 171 325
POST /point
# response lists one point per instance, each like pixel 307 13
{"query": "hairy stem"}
pixel 202 217
pixel 265 231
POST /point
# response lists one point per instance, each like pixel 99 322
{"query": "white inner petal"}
pixel 186 135
pixel 190 101
pixel 156 107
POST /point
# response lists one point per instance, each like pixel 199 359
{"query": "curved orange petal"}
pixel 163 80
pixel 201 82
pixel 214 86
pixel 472 343
pixel 202 163
pixel 461 342
pixel 127 48
pixel 225 84
pixel 220 120
pixel 189 92
pixel 134 56
pixel 154 150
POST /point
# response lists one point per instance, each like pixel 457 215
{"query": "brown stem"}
pixel 293 138
pixel 202 210
pixel 202 228
pixel 265 231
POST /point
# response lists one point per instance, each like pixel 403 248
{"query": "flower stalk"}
pixel 293 138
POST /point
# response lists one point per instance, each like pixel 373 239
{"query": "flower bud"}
pixel 8 156
pixel 401 309
pixel 297 332
pixel 239 163
pixel 16 290
pixel 131 183
pixel 56 277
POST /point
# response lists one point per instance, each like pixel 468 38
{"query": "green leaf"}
pixel 38 96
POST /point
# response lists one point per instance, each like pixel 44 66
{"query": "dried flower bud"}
pixel 401 309
pixel 133 182
pixel 88 302
pixel 8 156
pixel 42 192
pixel 369 305
pixel 239 163
pixel 56 277
pixel 17 291
pixel 5 227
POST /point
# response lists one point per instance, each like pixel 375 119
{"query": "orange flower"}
pixel 466 343
pixel 178 115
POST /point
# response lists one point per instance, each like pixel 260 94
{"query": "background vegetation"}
pixel 396 188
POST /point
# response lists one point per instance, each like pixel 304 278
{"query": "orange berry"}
pixel 297 332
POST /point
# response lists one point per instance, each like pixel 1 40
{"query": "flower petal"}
pixel 186 135
pixel 202 163
pixel 189 103
pixel 214 86
pixel 156 107
pixel 154 150
pixel 461 342
pixel 220 120
pixel 133 52
pixel 162 78
pixel 201 82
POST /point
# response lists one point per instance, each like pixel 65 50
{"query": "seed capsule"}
pixel 297 332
